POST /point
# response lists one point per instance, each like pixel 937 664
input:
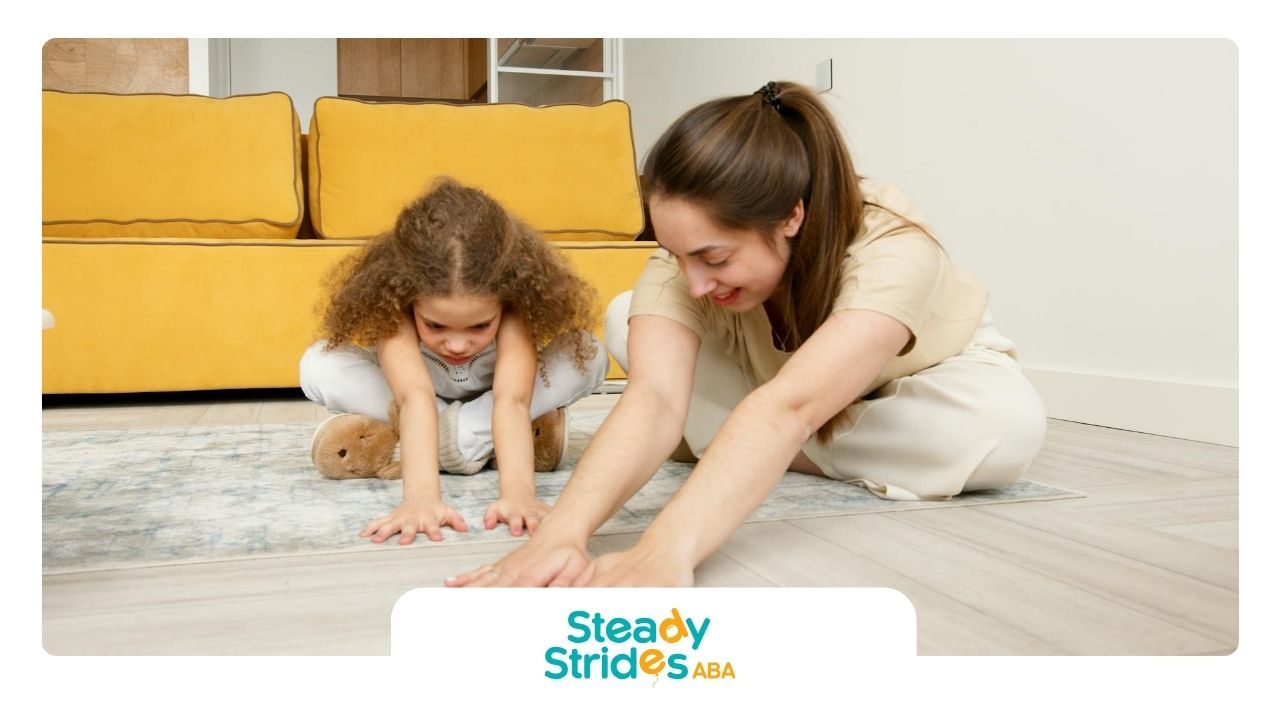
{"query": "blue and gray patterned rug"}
pixel 130 498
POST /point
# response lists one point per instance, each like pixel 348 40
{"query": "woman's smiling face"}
pixel 737 268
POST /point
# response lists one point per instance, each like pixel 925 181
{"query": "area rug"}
pixel 154 496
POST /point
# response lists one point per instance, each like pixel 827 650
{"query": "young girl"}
pixel 472 325
pixel 798 317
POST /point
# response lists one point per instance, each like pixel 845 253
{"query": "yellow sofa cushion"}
pixel 171 166
pixel 567 170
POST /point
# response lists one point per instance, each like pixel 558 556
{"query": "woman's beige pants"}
pixel 971 422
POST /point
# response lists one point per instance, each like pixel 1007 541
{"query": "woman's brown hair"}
pixel 458 240
pixel 746 161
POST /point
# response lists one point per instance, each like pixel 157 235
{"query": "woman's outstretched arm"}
pixel 756 445
pixel 637 436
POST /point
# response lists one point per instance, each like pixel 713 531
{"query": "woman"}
pixel 797 317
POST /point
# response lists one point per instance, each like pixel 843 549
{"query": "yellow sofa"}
pixel 186 238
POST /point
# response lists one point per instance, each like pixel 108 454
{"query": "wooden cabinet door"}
pixel 416 68
pixel 369 67
pixel 434 68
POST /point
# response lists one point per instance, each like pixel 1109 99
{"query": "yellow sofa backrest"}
pixel 567 170
pixel 175 166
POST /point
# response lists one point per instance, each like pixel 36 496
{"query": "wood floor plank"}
pixel 123 416
pixel 1177 599
pixel 231 413
pixel 1172 511
pixel 288 411
pixel 74 418
pixel 1185 491
pixel 178 415
pixel 788 556
pixel 1074 619
pixel 1192 559
pixel 1219 533
pixel 1063 467
pixel 1125 462
pixel 317 604
pixel 1085 469
pixel 1207 456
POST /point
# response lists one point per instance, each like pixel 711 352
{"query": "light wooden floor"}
pixel 1146 565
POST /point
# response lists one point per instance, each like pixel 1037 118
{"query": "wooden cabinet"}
pixel 117 65
pixel 413 68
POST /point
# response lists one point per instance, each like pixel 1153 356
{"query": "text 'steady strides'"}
pixel 671 640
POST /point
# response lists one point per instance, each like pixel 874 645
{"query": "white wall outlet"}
pixel 824 76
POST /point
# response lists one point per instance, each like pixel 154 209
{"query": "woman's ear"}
pixel 791 226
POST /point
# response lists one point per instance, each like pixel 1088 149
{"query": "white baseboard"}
pixel 1208 413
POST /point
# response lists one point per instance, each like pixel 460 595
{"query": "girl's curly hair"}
pixel 458 240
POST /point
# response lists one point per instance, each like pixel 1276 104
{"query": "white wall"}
pixel 306 69
pixel 1092 184
pixel 198 66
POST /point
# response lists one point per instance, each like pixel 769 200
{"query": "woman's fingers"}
pixel 582 579
pixel 573 567
pixel 467 578
pixel 487 578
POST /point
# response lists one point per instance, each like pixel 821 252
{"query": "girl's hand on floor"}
pixel 637 567
pixel 518 512
pixel 543 561
pixel 411 519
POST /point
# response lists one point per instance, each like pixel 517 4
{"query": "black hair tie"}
pixel 770 95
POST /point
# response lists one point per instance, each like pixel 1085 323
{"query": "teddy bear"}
pixel 358 446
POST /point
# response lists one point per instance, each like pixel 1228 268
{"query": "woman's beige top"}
pixel 894 266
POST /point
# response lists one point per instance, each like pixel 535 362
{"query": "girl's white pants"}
pixel 348 379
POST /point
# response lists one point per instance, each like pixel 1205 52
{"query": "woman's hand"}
pixel 543 561
pixel 638 567
pixel 412 518
pixel 518 511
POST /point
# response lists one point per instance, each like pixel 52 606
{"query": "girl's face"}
pixel 456 327
pixel 737 268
